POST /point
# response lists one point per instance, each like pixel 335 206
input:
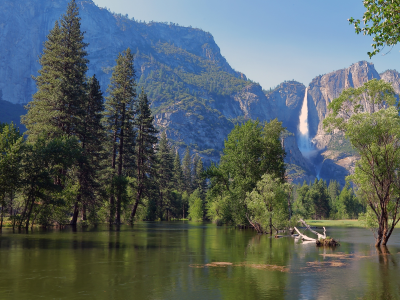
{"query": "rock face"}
pixel 337 157
pixel 286 101
pixel 195 95
pixel 323 89
pixel 10 112
pixel 393 77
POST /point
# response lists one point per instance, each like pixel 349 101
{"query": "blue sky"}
pixel 271 41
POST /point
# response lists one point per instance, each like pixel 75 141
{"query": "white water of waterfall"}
pixel 304 136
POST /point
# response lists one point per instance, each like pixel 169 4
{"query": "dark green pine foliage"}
pixel 146 139
pixel 92 138
pixel 118 118
pixel 187 172
pixel 178 174
pixel 334 191
pixel 199 179
pixel 178 181
pixel 56 108
pixel 41 162
pixel 165 178
pixel 320 197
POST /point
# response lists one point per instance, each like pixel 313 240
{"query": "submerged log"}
pixel 320 236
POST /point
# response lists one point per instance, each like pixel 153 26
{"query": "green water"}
pixel 167 261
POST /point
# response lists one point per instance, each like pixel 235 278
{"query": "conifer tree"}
pixel 199 180
pixel 91 136
pixel 187 171
pixel 119 116
pixel 164 176
pixel 178 174
pixel 334 191
pixel 146 139
pixel 56 108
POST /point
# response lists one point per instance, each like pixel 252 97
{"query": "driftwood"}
pixel 304 237
pixel 320 236
pixel 322 240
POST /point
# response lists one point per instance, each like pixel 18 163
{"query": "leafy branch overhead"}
pixel 380 20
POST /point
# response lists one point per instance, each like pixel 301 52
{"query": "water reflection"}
pixel 156 261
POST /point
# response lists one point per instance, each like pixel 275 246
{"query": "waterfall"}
pixel 304 136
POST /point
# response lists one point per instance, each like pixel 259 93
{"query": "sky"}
pixel 271 41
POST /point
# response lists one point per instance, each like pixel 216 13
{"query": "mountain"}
pixel 336 157
pixel 196 96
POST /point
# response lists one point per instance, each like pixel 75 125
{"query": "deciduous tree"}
pixel 370 120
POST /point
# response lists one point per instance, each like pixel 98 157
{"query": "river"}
pixel 185 260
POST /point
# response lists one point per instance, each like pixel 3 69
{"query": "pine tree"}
pixel 178 174
pixel 178 182
pixel 187 171
pixel 164 176
pixel 199 180
pixel 56 108
pixel 92 137
pixel 145 157
pixel 119 116
pixel 334 191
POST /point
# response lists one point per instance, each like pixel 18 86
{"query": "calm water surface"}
pixel 169 261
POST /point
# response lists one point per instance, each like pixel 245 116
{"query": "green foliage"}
pixel 119 116
pixel 165 177
pixel 187 171
pixel 56 108
pixel 43 181
pixel 196 206
pixel 251 150
pixel 303 205
pixel 373 128
pixel 339 143
pixel 380 20
pixel 145 157
pixel 268 203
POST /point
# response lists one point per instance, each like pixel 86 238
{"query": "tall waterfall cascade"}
pixel 303 139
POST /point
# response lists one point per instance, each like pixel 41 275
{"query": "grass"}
pixel 335 223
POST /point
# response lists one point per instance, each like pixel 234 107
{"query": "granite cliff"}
pixel 336 157
pixel 196 96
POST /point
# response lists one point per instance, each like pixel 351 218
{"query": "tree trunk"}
pixel 1 220
pixel 270 226
pixel 24 212
pixel 84 218
pixel 29 213
pixel 133 213
pixel 74 220
pixel 120 161
pixel 114 157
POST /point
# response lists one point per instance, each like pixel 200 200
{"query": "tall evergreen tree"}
pixel 56 108
pixel 199 179
pixel 178 174
pixel 164 177
pixel 91 136
pixel 319 195
pixel 333 190
pixel 119 116
pixel 187 171
pixel 146 139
